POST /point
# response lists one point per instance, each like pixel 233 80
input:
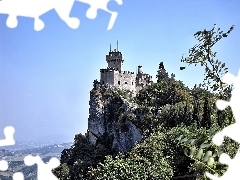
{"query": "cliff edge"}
pixel 110 115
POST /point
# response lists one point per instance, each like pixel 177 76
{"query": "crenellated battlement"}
pixel 127 72
pixel 107 70
pixel 114 56
pixel 114 76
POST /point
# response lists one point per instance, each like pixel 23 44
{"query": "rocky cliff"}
pixel 110 116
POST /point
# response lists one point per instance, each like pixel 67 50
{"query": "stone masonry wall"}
pixel 125 80
pixel 107 76
pixel 121 79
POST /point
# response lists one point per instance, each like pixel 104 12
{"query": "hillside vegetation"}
pixel 177 125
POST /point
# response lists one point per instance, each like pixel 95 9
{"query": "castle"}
pixel 125 80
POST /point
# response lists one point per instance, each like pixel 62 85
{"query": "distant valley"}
pixel 16 153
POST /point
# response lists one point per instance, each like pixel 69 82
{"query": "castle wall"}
pixel 142 80
pixel 107 76
pixel 125 80
pixel 113 75
pixel 121 79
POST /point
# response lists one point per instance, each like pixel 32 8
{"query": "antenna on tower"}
pixel 110 48
pixel 117 45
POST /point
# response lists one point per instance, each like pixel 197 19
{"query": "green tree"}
pixel 198 144
pixel 166 91
pixel 144 161
pixel 204 55
pixel 76 160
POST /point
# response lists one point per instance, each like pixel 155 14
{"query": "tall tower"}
pixel 115 59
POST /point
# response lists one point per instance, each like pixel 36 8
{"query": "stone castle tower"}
pixel 114 75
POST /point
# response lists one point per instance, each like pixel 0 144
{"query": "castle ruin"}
pixel 114 75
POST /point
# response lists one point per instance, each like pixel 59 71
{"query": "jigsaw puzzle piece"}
pixel 112 20
pixel 44 170
pixel 18 176
pixel 233 167
pixel 230 131
pixel 38 24
pixel 235 98
pixel 36 8
pixel 63 8
pixel 8 133
pixel 3 165
pixel 221 104
pixel 95 5
pixel 25 8
pixel 8 141
pixel 12 21
pixel 229 78
pixel 212 176
pixel 233 129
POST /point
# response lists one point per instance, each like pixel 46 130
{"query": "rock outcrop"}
pixel 109 116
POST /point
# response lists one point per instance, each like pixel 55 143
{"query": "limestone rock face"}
pixel 126 140
pixel 108 115
pixel 96 120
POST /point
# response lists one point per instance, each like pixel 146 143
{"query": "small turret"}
pixel 139 69
pixel 115 59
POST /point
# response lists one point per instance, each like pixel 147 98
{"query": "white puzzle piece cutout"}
pixel 231 131
pixel 8 141
pixel 233 167
pixel 18 176
pixel 36 8
pixel 3 165
pixel 44 170
pixel 8 133
pixel 101 4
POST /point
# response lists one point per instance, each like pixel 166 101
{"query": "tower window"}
pixel 118 82
pixel 132 83
pixel 125 82
pixel 103 82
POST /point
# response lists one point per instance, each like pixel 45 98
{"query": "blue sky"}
pixel 46 76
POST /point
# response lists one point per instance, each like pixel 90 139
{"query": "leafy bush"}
pixel 144 161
